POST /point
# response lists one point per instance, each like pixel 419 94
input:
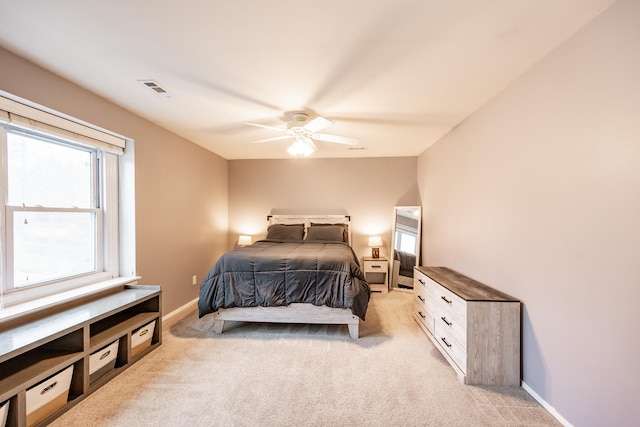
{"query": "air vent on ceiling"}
pixel 154 86
pixel 357 148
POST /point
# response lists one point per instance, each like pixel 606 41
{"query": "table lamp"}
pixel 244 240
pixel 375 242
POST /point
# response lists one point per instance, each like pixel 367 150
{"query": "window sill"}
pixel 23 309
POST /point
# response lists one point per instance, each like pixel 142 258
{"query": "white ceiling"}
pixel 397 74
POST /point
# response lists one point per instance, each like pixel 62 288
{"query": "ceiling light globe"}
pixel 300 148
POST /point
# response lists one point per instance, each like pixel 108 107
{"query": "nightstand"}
pixel 376 272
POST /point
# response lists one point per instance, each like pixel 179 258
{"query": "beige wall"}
pixel 180 188
pixel 538 194
pixel 367 189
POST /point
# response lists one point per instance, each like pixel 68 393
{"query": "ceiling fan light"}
pixel 300 147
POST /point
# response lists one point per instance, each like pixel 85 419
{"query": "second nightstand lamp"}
pixel 374 243
pixel 244 240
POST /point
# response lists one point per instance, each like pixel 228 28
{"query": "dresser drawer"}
pixel 452 326
pixel 423 301
pixel 449 320
pixel 447 301
pixel 423 316
pixel 451 344
pixel 423 294
pixel 420 279
pixel 423 309
pixel 424 286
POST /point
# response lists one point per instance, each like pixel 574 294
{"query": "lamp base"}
pixel 375 252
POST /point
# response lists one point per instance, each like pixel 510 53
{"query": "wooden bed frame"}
pixel 297 312
pixel 293 313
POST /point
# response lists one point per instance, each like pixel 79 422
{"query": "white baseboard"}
pixel 546 405
pixel 178 311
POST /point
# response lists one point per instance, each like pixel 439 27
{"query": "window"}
pixel 54 222
pixel 406 241
pixel 60 204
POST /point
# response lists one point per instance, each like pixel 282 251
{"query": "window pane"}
pixel 51 245
pixel 44 173
pixel 408 243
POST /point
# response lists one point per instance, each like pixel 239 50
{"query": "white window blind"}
pixel 36 119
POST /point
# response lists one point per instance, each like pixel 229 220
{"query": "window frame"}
pixel 8 276
pixel 106 148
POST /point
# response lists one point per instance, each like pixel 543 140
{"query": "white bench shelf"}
pixel 40 345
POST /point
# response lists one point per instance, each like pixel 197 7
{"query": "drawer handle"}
pixel 48 388
pixel 420 298
pixel 444 319
pixel 422 315
pixel 445 299
pixel 421 282
pixel 444 340
pixel 105 355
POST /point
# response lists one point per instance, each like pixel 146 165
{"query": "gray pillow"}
pixel 333 233
pixel 285 231
pixel 345 229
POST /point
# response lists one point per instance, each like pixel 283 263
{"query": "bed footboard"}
pixel 293 313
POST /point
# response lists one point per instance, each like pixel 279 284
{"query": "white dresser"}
pixel 475 327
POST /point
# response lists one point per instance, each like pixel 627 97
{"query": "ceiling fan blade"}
pixel 275 138
pixel 266 127
pixel 346 140
pixel 317 124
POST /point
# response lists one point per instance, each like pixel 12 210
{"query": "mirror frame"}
pixel 393 285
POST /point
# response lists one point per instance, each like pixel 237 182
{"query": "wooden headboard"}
pixel 311 218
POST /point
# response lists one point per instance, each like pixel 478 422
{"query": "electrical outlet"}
pixel 195 280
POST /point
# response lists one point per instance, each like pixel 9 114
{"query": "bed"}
pixel 305 271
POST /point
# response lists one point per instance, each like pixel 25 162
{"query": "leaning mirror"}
pixel 405 248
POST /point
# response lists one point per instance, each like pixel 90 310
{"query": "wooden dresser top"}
pixel 463 286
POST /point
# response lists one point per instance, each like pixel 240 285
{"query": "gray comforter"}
pixel 276 273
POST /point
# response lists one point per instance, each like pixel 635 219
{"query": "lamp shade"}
pixel 244 240
pixel 375 241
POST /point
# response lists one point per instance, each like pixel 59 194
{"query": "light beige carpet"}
pixel 302 375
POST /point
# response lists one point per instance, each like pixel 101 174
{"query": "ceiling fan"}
pixel 304 131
